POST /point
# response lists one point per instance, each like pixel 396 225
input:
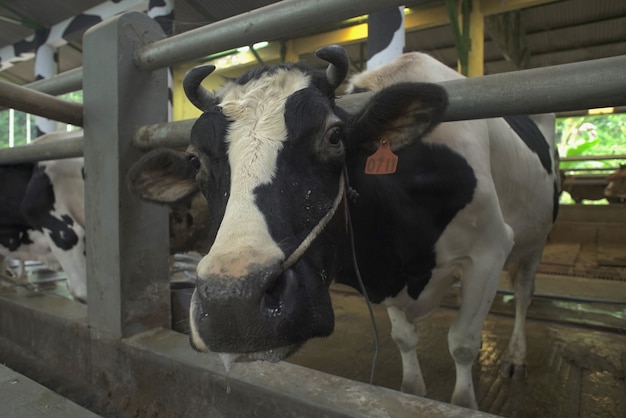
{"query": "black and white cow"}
pixel 42 217
pixel 272 153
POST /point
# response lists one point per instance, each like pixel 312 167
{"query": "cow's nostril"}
pixel 273 302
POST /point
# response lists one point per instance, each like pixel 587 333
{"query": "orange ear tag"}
pixel 383 161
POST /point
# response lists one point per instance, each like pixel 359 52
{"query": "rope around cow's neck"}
pixel 306 243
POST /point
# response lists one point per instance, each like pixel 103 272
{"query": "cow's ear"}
pixel 402 113
pixel 163 176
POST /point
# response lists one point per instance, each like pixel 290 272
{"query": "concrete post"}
pixel 127 240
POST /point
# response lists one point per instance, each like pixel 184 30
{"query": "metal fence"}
pixel 124 112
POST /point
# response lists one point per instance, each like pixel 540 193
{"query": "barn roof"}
pixel 556 32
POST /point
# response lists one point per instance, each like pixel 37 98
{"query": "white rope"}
pixel 306 243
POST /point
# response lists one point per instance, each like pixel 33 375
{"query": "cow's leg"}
pixel 404 333
pixel 523 277
pixel 479 286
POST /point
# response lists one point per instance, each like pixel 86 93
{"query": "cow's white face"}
pixel 254 138
pixel 262 209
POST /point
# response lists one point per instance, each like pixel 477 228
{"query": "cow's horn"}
pixel 198 95
pixel 339 62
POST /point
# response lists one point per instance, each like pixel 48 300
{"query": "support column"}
pixel 469 34
pixel 127 239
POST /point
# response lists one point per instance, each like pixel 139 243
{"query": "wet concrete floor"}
pixel 576 352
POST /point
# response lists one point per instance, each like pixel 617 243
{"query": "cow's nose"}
pixel 247 313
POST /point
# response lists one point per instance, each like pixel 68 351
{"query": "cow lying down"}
pixel 437 203
pixel 42 217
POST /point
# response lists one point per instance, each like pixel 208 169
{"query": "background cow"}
pixel 42 217
pixel 615 191
pixel 437 203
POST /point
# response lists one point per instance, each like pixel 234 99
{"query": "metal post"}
pixel 127 239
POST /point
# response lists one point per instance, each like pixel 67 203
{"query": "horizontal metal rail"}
pixel 172 134
pixel 58 146
pixel 559 88
pixel 277 21
pixel 594 158
pixel 599 83
pixel 66 82
pixel 41 104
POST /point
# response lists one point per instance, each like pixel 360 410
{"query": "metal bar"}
pixel 594 158
pixel 174 134
pixel 65 145
pixel 66 82
pixel 560 88
pixel 40 104
pixel 276 21
pixel 598 83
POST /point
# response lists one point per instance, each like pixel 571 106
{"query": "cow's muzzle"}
pixel 263 311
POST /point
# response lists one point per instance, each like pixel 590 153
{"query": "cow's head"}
pixel 268 154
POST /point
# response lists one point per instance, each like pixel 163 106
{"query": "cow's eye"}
pixel 194 162
pixel 335 135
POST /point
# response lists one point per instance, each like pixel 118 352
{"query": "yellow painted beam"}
pixel 291 53
pixel 476 57
pixel 344 36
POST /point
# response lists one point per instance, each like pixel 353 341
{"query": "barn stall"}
pixel 118 354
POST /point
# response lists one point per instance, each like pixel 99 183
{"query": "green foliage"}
pixel 589 136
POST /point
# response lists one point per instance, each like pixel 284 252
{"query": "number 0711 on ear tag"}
pixel 383 161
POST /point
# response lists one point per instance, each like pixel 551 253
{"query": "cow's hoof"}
pixel 513 371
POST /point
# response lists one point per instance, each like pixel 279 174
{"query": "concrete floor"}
pixel 576 353
pixel 576 349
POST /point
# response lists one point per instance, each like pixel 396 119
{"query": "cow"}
pixel 615 190
pixel 291 179
pixel 42 217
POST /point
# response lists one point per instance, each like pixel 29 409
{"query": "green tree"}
pixel 591 135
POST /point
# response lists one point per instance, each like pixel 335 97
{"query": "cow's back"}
pixel 503 162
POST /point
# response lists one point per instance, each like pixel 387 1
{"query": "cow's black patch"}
pixel 14 226
pixel 528 131
pixel 38 205
pixel 555 201
pixel 208 137
pixel 399 217
pixel 80 22
pixel 384 24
